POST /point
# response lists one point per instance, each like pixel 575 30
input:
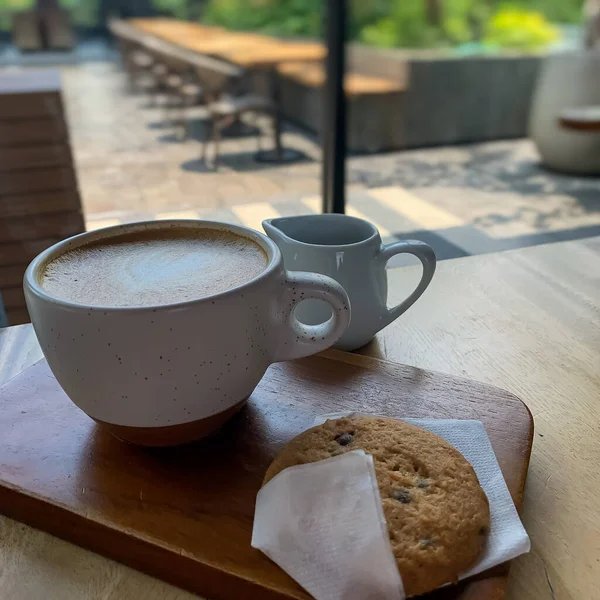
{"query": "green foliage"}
pixel 556 11
pixel 520 29
pixel 405 25
pixel 465 20
pixel 176 8
pixel 83 13
pixel 401 23
pixel 9 6
pixel 288 17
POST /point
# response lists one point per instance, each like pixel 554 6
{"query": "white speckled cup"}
pixel 171 374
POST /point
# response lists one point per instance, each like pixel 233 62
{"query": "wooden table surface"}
pixel 247 50
pixel 583 118
pixel 269 55
pixel 172 28
pixel 527 320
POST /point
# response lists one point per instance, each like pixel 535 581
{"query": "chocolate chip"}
pixel 484 530
pixel 344 439
pixel 427 542
pixel 423 483
pixel 403 496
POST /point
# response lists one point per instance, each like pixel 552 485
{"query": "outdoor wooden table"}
pixel 268 57
pixel 584 118
pixel 527 320
pixel 246 50
pixel 272 54
pixel 173 29
pixel 218 45
pixel 194 36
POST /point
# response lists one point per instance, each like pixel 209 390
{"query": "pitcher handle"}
pixel 297 339
pixel 424 252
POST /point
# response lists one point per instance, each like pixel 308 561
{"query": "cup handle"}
pixel 424 252
pixel 298 339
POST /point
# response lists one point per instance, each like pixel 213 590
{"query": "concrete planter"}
pixel 447 100
pixel 566 80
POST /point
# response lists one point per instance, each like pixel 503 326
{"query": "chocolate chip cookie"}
pixel 437 514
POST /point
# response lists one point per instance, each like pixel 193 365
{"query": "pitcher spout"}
pixel 287 230
pixel 271 227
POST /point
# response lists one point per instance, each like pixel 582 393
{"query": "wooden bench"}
pixel 39 199
pixel 355 84
pixel 372 99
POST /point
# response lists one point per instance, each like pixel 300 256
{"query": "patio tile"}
pixel 181 214
pixel 442 247
pixel 414 208
pixel 291 208
pixel 475 198
pixel 93 224
pixel 224 215
pixel 252 215
pixel 378 212
pixel 232 193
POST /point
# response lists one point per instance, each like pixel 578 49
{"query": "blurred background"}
pixel 473 125
pixel 461 25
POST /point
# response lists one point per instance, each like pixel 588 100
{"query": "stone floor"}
pixel 462 200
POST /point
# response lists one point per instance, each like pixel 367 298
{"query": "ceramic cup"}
pixel 170 374
pixel 350 251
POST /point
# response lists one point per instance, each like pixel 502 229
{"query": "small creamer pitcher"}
pixel 350 251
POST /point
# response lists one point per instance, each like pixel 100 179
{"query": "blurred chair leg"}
pixel 154 96
pixel 216 140
pixel 191 102
pixel 274 129
pixel 179 119
pixel 256 124
pixel 168 106
pixel 206 134
pixel 186 118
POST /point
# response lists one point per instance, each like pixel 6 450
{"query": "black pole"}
pixel 334 125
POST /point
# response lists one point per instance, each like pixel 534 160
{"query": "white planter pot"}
pixel 566 81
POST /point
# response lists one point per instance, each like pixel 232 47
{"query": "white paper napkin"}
pixel 323 524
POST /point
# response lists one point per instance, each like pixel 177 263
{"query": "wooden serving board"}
pixel 185 514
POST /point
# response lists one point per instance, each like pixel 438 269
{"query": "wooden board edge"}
pixel 158 561
pixel 369 362
pixel 162 563
pixel 155 561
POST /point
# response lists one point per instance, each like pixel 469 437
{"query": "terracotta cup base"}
pixel 173 435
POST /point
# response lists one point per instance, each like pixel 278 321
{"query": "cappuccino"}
pixel 153 267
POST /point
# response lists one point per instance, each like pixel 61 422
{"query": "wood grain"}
pixel 27 157
pixel 355 84
pixel 25 105
pixel 23 251
pixel 17 316
pixel 13 297
pixel 186 514
pixel 247 50
pixel 269 55
pixel 32 131
pixel 38 180
pixel 12 275
pixel 41 226
pixel 39 203
pixel 527 320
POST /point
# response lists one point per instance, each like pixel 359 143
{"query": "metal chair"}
pixel 179 84
pixel 229 109
pixel 227 102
